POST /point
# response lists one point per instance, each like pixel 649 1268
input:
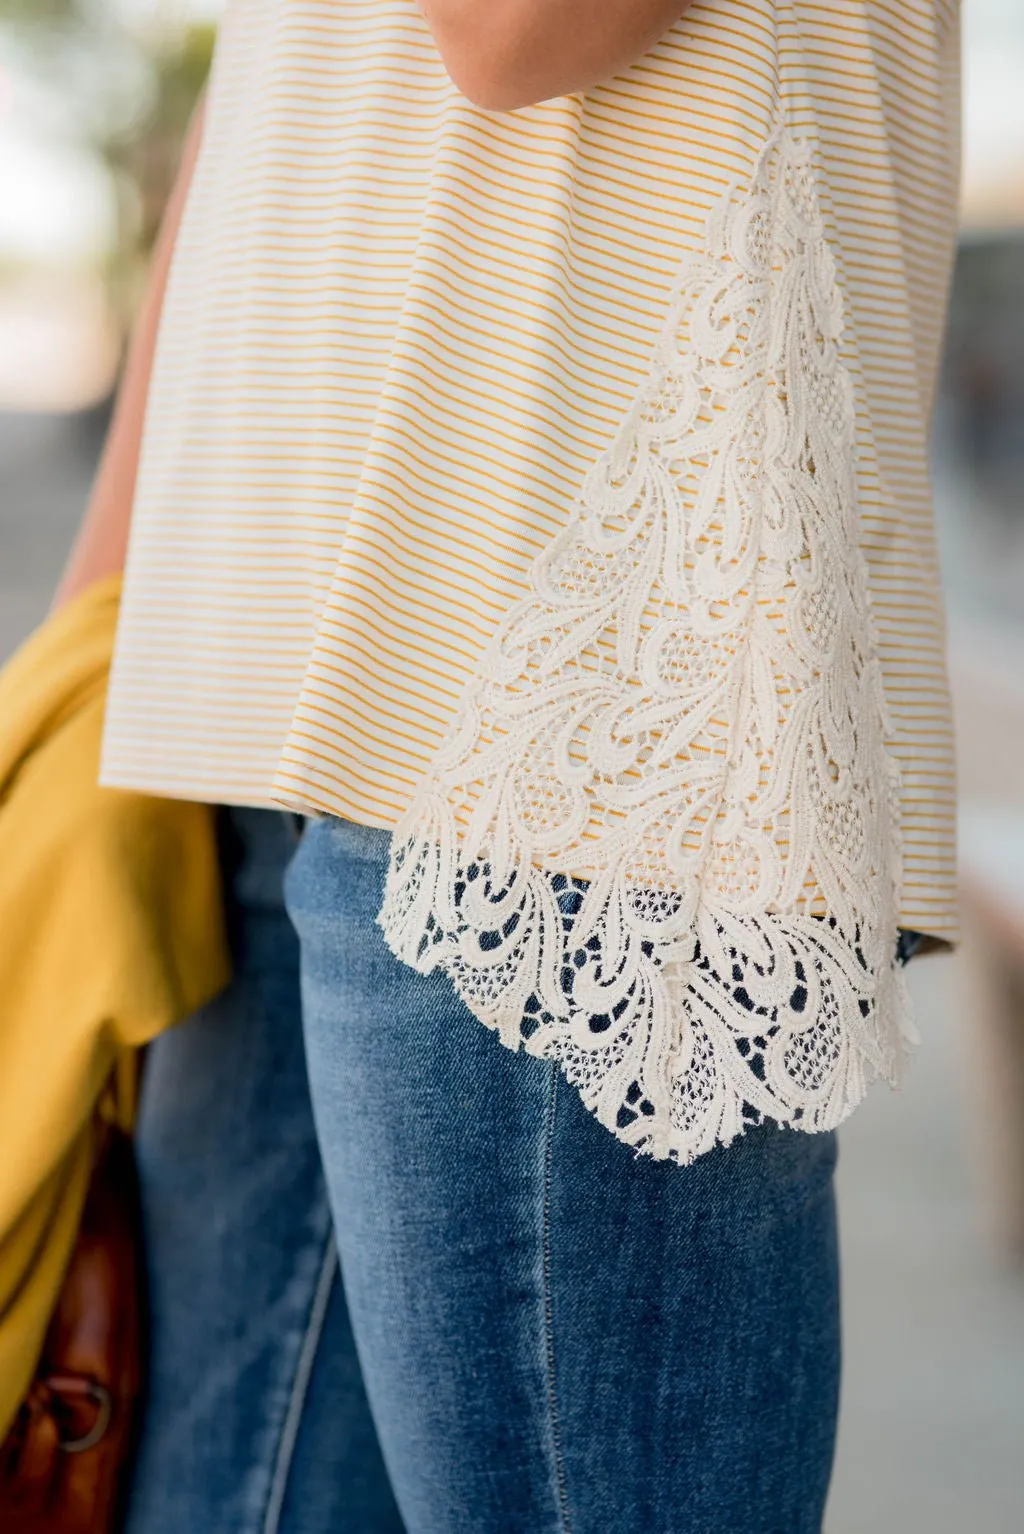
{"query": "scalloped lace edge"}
pixel 660 843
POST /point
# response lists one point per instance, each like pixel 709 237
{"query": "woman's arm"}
pixel 102 538
pixel 504 54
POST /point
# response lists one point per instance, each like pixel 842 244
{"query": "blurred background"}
pixel 94 98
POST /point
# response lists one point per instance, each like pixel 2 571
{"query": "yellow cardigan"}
pixel 111 929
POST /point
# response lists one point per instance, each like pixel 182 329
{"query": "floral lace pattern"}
pixel 660 843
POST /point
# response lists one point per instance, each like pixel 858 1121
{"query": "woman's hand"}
pixel 504 54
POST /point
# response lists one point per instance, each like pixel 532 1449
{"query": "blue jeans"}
pixel 538 1330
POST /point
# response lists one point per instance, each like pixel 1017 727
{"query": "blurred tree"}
pixel 123 82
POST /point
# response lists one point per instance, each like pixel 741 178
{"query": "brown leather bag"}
pixel 64 1463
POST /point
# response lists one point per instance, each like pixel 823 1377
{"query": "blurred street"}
pixel 933 1409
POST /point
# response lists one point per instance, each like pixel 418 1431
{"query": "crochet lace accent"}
pixel 660 843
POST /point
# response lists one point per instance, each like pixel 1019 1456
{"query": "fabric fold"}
pixel 112 931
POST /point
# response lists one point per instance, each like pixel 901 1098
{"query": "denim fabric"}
pixel 555 1335
pixel 257 1421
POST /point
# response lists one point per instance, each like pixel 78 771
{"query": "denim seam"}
pixel 300 1386
pixel 549 1332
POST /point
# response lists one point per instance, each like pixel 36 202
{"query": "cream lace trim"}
pixel 660 843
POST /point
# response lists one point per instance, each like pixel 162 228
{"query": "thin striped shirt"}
pixel 399 330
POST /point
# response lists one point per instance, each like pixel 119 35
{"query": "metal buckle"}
pixel 64 1386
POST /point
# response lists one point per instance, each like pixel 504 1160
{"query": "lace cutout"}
pixel 660 842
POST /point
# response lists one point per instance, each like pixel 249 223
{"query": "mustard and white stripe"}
pixel 400 329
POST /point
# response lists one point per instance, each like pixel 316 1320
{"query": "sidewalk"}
pixel 932 1424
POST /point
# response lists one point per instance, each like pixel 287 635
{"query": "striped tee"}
pixel 552 485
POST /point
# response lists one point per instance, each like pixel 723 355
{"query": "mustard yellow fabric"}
pixel 111 929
